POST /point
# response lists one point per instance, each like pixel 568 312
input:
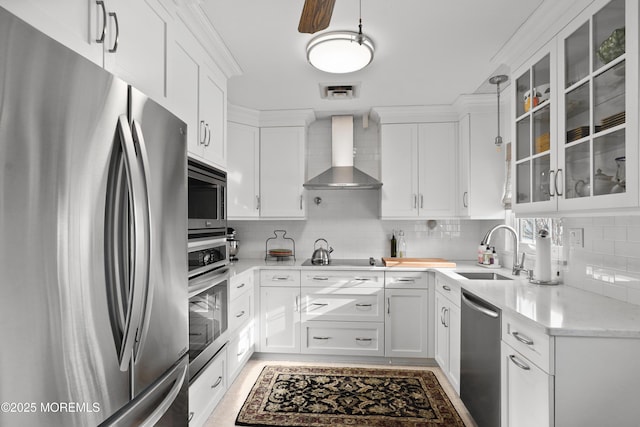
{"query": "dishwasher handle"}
pixel 476 305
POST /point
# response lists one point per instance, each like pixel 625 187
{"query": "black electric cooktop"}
pixel 360 262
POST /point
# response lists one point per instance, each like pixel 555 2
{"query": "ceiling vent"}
pixel 339 91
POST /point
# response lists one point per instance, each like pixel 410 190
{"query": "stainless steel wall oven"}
pixel 208 255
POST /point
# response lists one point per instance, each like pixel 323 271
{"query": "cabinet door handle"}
pixel 241 285
pixel 522 338
pixel 217 383
pixel 552 183
pixel 421 201
pixel 203 132
pixel 104 21
pixel 555 182
pixel 257 203
pixel 446 288
pixel 301 202
pixel 465 199
pixel 363 305
pixel 415 201
pixel 242 353
pixel 389 305
pixel 446 314
pixel 442 315
pixel 240 314
pixel 321 338
pixel 297 303
pixel 320 278
pixel 209 136
pixel 518 362
pixel 114 48
pixel 362 279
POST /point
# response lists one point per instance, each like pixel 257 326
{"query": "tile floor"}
pixel 227 410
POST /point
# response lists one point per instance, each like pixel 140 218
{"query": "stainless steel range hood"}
pixel 342 174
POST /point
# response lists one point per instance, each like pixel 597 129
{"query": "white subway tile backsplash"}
pixel 609 262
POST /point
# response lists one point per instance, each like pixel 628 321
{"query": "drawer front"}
pixel 280 277
pixel 343 338
pixel 532 343
pixel 450 289
pixel 240 311
pixel 240 284
pixel 206 391
pixel 343 304
pixel 343 279
pixel 406 280
pixel 239 350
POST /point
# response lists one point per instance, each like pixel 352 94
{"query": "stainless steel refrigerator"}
pixel 93 250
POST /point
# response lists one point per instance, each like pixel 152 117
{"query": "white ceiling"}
pixel 427 51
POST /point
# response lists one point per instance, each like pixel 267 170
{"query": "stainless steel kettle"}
pixel 321 256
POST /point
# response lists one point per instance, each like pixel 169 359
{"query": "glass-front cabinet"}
pixel 577 148
pixel 535 111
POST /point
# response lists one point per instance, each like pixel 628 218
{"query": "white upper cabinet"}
pixel 282 153
pixel 212 118
pixel 135 43
pixel 575 115
pixel 482 168
pixel 67 21
pixel 418 170
pixel 244 171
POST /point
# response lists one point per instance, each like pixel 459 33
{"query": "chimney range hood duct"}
pixel 342 174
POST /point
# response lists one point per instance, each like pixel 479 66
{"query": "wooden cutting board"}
pixel 418 262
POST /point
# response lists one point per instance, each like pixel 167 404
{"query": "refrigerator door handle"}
pixel 140 254
pixel 131 413
pixel 145 308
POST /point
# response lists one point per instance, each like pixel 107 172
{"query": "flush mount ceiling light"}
pixel 341 51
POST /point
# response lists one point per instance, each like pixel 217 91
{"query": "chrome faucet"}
pixel 517 266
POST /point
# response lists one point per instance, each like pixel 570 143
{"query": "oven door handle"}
pixel 221 275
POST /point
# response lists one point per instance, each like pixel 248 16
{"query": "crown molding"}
pixel 194 18
pixel 243 115
pixel 273 118
pixel 541 26
pixel 414 114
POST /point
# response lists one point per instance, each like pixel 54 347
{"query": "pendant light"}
pixel 496 80
pixel 341 52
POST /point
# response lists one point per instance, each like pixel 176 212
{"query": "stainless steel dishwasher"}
pixel 480 360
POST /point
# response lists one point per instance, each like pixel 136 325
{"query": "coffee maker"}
pixel 233 244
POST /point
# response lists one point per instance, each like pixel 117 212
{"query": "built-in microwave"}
pixel 207 204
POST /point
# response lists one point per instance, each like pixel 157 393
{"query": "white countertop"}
pixel 559 310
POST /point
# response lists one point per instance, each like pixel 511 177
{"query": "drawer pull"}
pixel 242 353
pixel 363 305
pixel 364 339
pixel 446 288
pixel 518 362
pixel 321 338
pixel 363 279
pixel 240 314
pixel 320 278
pixel 405 280
pixel 321 304
pixel 280 278
pixel 241 285
pixel 217 383
pixel 522 338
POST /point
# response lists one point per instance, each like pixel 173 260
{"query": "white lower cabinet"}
pixel 207 389
pixel 241 323
pixel 407 314
pixel 343 338
pixel 447 329
pixel 280 311
pixel 239 350
pixel 527 391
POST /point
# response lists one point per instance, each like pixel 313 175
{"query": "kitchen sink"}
pixel 483 275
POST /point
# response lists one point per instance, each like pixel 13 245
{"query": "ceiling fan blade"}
pixel 316 15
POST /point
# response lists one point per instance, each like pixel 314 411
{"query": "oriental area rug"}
pixel 307 396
